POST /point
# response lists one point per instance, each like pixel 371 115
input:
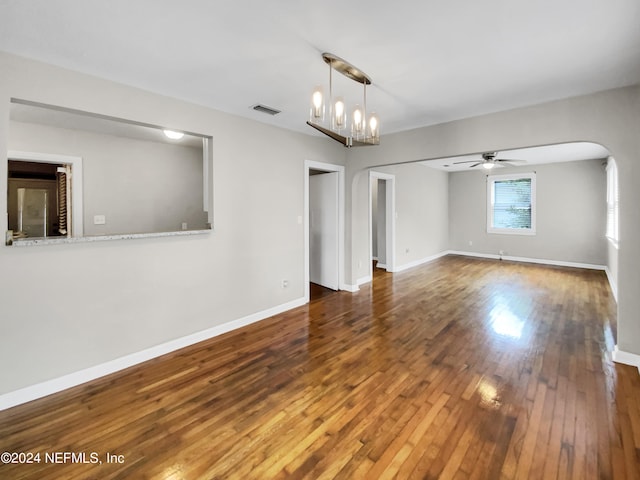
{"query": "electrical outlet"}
pixel 470 243
pixel 285 283
pixel 184 225
pixel 99 220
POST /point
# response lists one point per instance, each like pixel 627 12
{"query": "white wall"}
pixel 611 118
pixel 124 296
pixel 421 216
pixel 571 214
pixel 140 186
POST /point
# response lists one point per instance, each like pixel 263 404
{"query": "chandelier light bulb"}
pixel 487 165
pixel 339 112
pixel 374 126
pixel 357 119
pixel 317 110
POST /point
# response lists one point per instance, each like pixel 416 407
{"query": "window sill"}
pixel 30 242
pixel 511 231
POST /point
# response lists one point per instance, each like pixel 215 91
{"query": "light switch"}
pixel 99 220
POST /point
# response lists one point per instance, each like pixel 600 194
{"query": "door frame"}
pixel 324 167
pixel 390 219
pixel 77 214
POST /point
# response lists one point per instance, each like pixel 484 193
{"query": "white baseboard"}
pixel 55 385
pixel 415 263
pixel 474 254
pixel 626 358
pixel 363 280
pixel 349 288
pixel 381 265
pixel 612 283
pixel 541 261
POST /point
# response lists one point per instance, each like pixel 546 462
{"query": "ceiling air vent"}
pixel 265 109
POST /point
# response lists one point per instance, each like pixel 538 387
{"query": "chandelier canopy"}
pixel 360 131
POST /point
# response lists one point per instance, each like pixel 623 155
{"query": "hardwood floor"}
pixel 462 368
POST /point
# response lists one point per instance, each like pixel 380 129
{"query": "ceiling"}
pixel 431 61
pixel 73 120
pixel 562 152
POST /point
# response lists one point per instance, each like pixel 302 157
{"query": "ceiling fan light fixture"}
pixel 489 161
pixel 361 132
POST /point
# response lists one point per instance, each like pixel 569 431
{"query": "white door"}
pixel 323 229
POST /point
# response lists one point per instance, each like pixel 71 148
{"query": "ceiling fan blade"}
pixel 512 160
pixel 471 166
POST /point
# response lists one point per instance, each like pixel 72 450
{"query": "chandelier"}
pixel 360 131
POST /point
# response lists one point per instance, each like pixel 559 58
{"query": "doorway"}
pixel 324 226
pixel 44 195
pixel 381 221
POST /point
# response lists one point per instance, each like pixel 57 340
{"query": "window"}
pixel 612 201
pixel 511 204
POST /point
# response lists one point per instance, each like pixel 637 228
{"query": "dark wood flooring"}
pixel 458 369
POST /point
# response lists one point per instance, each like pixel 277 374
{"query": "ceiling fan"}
pixel 489 161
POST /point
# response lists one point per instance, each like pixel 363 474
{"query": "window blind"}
pixel 512 203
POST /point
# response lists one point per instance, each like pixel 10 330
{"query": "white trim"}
pixel 30 242
pixel 383 266
pixel 390 217
pixel 325 167
pixel 363 280
pixel 541 261
pixel 612 283
pixel 351 288
pixel 626 358
pixel 55 385
pixel 613 202
pixel 77 215
pixel 415 263
pixel 474 254
pixel 207 178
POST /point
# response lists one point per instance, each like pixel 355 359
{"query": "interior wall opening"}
pixel 324 228
pixel 44 196
pixel 381 222
pixel 37 199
